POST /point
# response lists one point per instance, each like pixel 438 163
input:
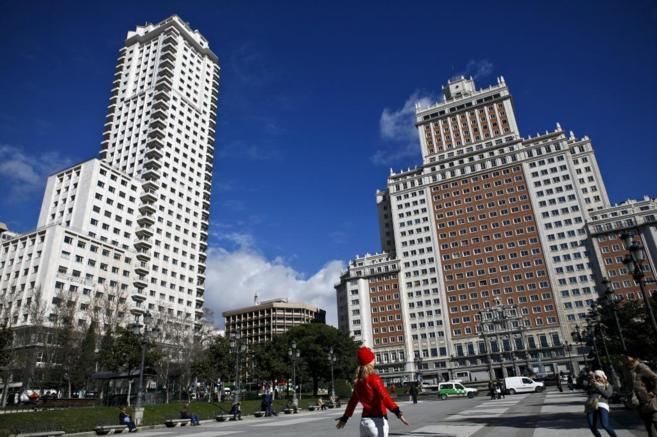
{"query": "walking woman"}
pixel 597 404
pixel 369 391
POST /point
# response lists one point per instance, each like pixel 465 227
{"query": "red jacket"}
pixel 374 397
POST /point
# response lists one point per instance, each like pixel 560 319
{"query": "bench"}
pixel 259 414
pixel 222 417
pixel 170 423
pixel 41 434
pixel 110 429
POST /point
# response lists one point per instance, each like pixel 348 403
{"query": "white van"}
pixel 522 384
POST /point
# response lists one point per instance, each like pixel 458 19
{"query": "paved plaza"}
pixel 548 414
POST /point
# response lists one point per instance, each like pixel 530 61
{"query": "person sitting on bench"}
pixel 236 411
pixel 125 419
pixel 186 414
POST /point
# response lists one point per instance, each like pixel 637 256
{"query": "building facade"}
pixel 132 224
pixel 638 219
pixel 260 322
pixel 489 220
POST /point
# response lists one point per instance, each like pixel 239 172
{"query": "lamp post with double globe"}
pixel 634 261
pixel 143 331
pixel 294 354
pixel 332 359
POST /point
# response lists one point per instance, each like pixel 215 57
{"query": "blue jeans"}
pixel 602 415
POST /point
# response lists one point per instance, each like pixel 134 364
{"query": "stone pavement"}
pixel 550 414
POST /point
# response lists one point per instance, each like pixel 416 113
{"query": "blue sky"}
pixel 315 105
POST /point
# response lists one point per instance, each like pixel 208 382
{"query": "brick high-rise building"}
pixel 489 219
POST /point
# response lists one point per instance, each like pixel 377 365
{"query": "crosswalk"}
pixel 467 422
pixel 563 413
pixel 550 414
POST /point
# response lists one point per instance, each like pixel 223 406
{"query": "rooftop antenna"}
pixel 256 300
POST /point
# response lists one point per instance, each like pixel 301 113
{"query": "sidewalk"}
pixel 562 415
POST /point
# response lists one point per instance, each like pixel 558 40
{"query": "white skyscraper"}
pixel 132 225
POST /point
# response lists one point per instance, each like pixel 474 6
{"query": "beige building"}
pixel 262 321
pixel 490 218
pixel 638 219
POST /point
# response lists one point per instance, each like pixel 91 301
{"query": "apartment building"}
pixel 260 322
pixel 489 219
pixel 133 223
pixel 637 219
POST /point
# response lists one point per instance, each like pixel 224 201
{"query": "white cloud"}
pixel 398 131
pixel 23 173
pixel 234 277
pixel 478 68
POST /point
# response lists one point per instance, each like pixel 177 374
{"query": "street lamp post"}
pixel 137 330
pixel 236 345
pixel 294 354
pixel 609 295
pixel 482 328
pixel 635 258
pixel 332 360
pixel 581 342
pixel 614 377
pixel 569 348
pixel 418 369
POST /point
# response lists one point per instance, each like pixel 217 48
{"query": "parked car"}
pixel 455 389
pixel 522 384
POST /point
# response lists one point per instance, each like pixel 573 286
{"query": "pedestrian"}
pixel 491 390
pixel 393 390
pixel 570 382
pixel 412 391
pixel 559 386
pixel 125 419
pixel 644 387
pixel 370 392
pixel 499 390
pixel 268 399
pixel 596 406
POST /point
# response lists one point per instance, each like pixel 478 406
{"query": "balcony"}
pixel 152 164
pixel 145 220
pixel 137 308
pixel 150 185
pixel 138 296
pixel 161 104
pixel 143 243
pixel 144 232
pixel 140 282
pixel 156 133
pixel 147 208
pixel 169 46
pixel 153 154
pixel 148 196
pixel 143 255
pixel 170 38
pixel 165 72
pixel 157 124
pixel 166 63
pixel 151 174
pixel 142 268
pixel 159 115
pixel 155 143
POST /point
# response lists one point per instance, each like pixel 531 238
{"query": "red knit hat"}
pixel 365 355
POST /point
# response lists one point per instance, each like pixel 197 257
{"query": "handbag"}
pixel 591 404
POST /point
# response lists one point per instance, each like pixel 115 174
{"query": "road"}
pixel 549 414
